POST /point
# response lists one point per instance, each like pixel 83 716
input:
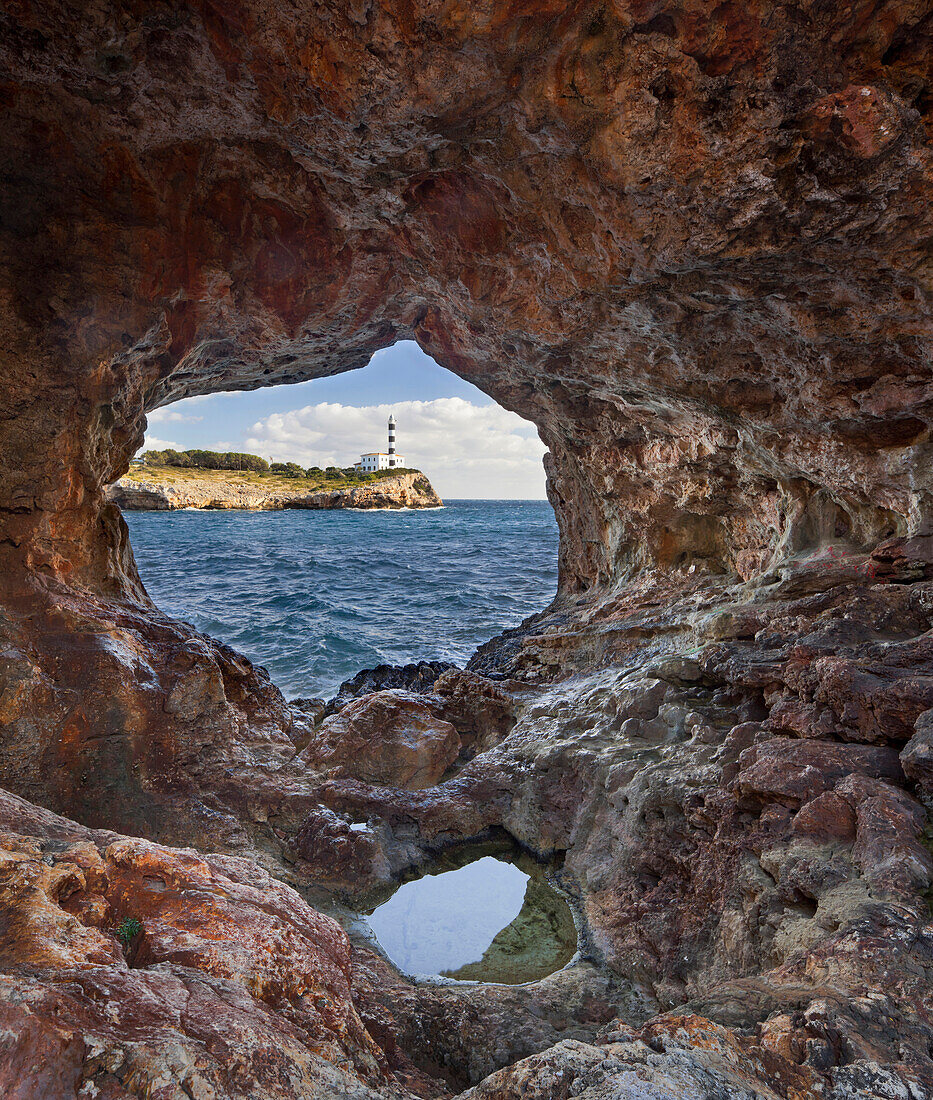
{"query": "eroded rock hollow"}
pixel 691 243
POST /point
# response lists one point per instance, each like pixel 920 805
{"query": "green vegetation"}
pixel 287 469
pixel 177 467
pixel 128 929
pixel 208 460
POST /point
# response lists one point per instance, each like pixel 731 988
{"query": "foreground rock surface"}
pixel 402 491
pixel 234 987
pixel 388 738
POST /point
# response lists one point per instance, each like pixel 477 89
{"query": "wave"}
pixel 316 595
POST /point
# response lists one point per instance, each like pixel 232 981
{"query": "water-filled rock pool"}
pixel 494 918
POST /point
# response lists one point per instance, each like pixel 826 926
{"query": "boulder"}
pixel 388 738
pixel 482 711
pixel 917 754
pixel 793 772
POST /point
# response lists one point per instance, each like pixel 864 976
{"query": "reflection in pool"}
pixel 487 921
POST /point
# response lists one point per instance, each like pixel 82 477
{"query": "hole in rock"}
pixel 316 595
pixel 477 916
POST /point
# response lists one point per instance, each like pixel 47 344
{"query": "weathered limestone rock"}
pixel 404 491
pixel 388 738
pixel 233 984
pixel 672 1059
pixel 796 772
pixel 480 709
pixel 685 242
pixel 917 754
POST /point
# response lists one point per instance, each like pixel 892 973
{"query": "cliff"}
pixel 186 489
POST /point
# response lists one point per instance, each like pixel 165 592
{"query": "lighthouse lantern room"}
pixel 382 460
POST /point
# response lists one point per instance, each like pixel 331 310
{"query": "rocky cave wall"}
pixel 691 243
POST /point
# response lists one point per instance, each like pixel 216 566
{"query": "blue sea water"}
pixel 316 596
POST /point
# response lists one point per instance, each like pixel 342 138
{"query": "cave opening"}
pixel 316 568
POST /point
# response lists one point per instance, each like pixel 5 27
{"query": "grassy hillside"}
pixel 180 475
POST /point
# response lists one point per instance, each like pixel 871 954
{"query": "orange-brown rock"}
pixel 796 772
pixel 388 738
pixel 482 712
pixel 232 986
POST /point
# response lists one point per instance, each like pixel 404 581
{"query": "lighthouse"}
pixel 373 461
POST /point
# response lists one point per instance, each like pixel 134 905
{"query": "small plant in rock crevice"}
pixel 127 930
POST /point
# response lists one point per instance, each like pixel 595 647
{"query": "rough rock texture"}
pixel 418 677
pixel 690 242
pixel 767 874
pixel 388 739
pixel 673 1059
pixel 482 711
pixel 234 987
pixel 404 491
pixel 687 242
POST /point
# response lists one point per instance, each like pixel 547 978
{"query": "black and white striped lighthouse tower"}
pixel 391 440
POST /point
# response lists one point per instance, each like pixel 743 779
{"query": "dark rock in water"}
pixel 418 677
pixel 504 651
pixel 311 708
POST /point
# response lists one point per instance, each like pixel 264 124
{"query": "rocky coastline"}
pixel 408 490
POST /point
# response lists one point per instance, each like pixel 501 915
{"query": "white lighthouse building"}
pixel 382 460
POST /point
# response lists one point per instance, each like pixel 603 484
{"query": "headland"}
pixel 162 489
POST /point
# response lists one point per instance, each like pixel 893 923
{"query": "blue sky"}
pixel 467 444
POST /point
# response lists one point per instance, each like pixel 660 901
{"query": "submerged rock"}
pixel 540 940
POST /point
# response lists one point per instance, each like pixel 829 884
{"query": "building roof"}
pixel 375 454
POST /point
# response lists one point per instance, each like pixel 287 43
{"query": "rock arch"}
pixel 713 301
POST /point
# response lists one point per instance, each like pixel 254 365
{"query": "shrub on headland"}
pixel 288 469
pixel 236 461
pixel 208 460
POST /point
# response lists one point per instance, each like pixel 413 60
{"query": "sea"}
pixel 315 596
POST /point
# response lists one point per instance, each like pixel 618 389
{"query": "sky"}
pixel 466 444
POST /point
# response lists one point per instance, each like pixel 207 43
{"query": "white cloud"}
pixel 153 443
pixel 169 415
pixel 466 450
